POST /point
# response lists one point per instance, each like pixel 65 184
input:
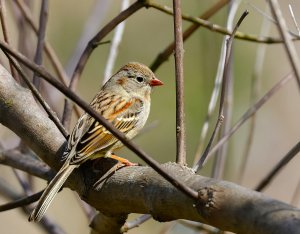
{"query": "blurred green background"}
pixel 146 34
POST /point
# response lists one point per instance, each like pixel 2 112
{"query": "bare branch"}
pixel 163 56
pixel 254 94
pixel 5 32
pixel 287 39
pixel 229 42
pixel 26 163
pixel 38 59
pixel 217 127
pixel 89 211
pixel 250 112
pixel 95 19
pixel 22 181
pixel 218 28
pixel 200 227
pixel 47 224
pixel 211 107
pixel 55 62
pixel 221 156
pixel 285 160
pixel 21 202
pixel 294 19
pixel 135 223
pixel 114 46
pixel 39 97
pixel 269 18
pixel 180 124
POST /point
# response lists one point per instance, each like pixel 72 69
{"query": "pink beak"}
pixel 155 82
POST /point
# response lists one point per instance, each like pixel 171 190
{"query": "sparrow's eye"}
pixel 140 79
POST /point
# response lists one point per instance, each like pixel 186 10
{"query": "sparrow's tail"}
pixel 50 192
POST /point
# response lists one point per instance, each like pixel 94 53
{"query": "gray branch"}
pixel 25 162
pixel 140 189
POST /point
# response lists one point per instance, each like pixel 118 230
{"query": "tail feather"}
pixel 50 192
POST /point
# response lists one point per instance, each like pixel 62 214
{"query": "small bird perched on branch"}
pixel 124 101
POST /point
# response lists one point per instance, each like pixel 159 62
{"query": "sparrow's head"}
pixel 136 78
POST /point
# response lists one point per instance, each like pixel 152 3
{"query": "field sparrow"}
pixel 124 101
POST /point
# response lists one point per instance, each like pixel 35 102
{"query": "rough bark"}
pixel 140 189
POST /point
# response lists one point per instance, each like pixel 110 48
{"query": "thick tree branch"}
pixel 17 106
pixel 141 189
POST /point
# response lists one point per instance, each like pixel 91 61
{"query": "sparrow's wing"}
pixel 91 137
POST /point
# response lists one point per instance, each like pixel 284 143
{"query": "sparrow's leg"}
pixel 124 161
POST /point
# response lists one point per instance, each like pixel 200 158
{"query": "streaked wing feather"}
pixel 97 138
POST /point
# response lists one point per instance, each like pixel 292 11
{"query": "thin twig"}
pixel 180 122
pixel 24 184
pixel 93 43
pixel 212 104
pixel 88 210
pixel 250 112
pixel 254 93
pixel 38 58
pixel 5 34
pixel 261 12
pixel 67 114
pixel 294 19
pixel 135 223
pixel 283 162
pixel 218 28
pixel 165 54
pixel 21 202
pixel 24 46
pixel 211 139
pixel 287 39
pixel 52 115
pixel 46 223
pixel 205 228
pixel 200 163
pixel 95 19
pixel 54 60
pixel 266 16
pixel 119 135
pixel 220 159
pixel 114 46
